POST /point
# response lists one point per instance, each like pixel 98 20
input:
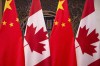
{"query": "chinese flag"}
pixel 88 35
pixel 62 38
pixel 36 43
pixel 11 45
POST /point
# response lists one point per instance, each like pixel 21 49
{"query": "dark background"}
pixel 49 8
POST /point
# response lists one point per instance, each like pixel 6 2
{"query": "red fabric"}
pixel 45 62
pixel 96 63
pixel 36 7
pixel 11 45
pixel 62 40
pixel 87 9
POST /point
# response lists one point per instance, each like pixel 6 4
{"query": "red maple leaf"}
pixel 95 63
pixel 85 40
pixel 35 39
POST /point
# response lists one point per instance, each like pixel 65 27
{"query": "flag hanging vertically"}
pixel 36 44
pixel 88 35
pixel 11 45
pixel 62 39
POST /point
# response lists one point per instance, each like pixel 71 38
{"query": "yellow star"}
pixel 60 5
pixel 17 20
pixel 11 24
pixel 69 20
pixel 7 5
pixel 63 25
pixel 4 23
pixel 56 23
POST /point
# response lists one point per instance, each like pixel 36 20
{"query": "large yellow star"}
pixel 60 5
pixel 7 5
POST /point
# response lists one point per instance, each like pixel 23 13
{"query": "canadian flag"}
pixel 88 35
pixel 36 44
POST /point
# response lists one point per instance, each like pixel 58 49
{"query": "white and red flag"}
pixel 88 35
pixel 36 44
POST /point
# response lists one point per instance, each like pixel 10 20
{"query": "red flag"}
pixel 88 35
pixel 62 38
pixel 36 43
pixel 11 46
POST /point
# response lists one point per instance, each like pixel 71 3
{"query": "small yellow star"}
pixel 69 20
pixel 17 20
pixel 56 23
pixel 11 24
pixel 63 25
pixel 4 23
pixel 60 5
pixel 7 5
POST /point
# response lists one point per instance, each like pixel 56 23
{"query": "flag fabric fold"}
pixel 88 36
pixel 11 43
pixel 36 44
pixel 62 38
